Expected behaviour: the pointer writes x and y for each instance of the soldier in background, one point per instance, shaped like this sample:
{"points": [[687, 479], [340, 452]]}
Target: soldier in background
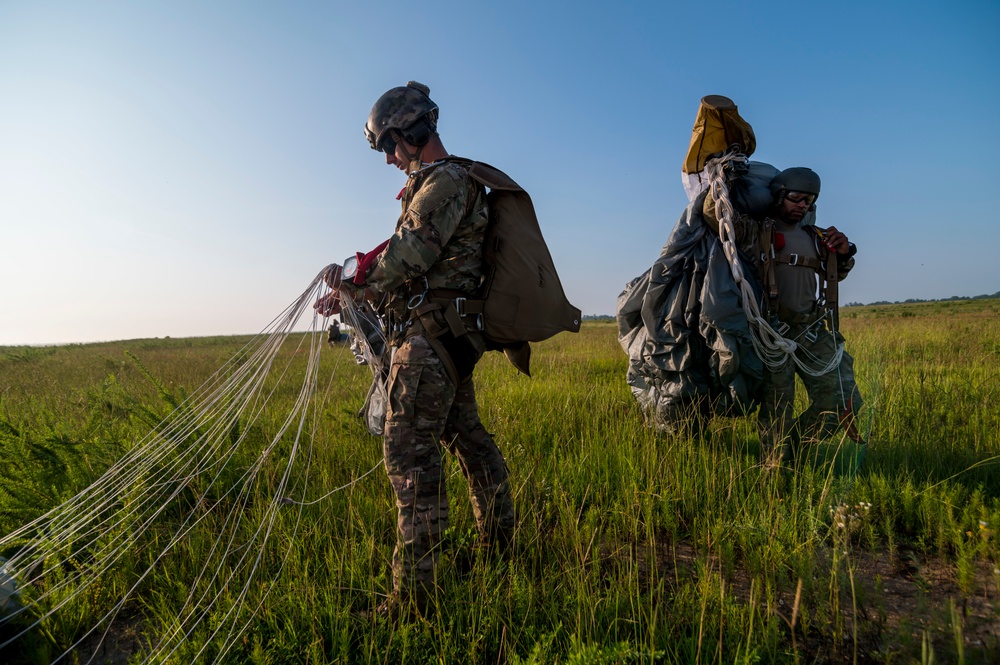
{"points": [[334, 332], [435, 251], [800, 266]]}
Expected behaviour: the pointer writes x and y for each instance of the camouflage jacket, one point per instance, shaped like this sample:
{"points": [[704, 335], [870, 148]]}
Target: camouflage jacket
{"points": [[439, 235]]}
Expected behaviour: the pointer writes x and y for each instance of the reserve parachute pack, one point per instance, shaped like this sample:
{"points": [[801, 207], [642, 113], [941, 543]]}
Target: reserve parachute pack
{"points": [[522, 299]]}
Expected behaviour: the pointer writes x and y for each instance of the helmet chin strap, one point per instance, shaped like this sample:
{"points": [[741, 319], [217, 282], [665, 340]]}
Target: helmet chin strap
{"points": [[415, 161], [413, 158]]}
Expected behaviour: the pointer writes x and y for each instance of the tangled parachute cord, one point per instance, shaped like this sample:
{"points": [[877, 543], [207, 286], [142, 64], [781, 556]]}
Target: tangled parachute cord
{"points": [[197, 467], [771, 346]]}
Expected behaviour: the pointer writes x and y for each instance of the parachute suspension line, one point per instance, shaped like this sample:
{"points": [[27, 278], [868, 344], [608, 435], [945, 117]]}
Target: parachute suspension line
{"points": [[360, 318], [364, 475], [372, 348], [771, 346], [183, 472], [297, 417]]}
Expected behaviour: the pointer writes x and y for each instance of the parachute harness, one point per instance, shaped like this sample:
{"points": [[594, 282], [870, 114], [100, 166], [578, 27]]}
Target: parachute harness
{"points": [[771, 346]]}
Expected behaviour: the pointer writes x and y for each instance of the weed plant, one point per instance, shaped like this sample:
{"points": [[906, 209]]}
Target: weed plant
{"points": [[632, 546]]}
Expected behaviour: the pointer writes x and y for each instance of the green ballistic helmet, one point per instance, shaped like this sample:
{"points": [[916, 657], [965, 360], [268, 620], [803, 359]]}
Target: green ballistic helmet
{"points": [[407, 110], [795, 179]]}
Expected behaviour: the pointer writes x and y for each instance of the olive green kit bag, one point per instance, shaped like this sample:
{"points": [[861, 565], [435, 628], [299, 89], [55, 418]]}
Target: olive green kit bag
{"points": [[522, 299]]}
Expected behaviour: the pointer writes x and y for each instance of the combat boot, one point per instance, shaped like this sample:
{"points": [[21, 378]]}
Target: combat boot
{"points": [[394, 610]]}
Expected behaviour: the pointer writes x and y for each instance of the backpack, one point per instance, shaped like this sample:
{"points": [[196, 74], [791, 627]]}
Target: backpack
{"points": [[522, 298]]}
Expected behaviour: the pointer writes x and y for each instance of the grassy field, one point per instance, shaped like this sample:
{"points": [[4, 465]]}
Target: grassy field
{"points": [[632, 546]]}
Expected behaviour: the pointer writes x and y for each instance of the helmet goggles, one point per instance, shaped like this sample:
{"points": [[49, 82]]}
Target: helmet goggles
{"points": [[800, 197]]}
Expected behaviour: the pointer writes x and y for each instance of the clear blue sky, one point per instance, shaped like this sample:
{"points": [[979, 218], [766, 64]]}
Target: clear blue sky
{"points": [[185, 168]]}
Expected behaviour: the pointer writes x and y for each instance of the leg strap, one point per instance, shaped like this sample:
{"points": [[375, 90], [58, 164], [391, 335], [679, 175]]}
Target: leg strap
{"points": [[445, 332]]}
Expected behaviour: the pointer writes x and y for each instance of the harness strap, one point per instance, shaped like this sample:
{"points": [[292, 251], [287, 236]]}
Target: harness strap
{"points": [[445, 331], [452, 321], [825, 266], [464, 306], [457, 301], [787, 316], [767, 263], [798, 260], [832, 289], [433, 332]]}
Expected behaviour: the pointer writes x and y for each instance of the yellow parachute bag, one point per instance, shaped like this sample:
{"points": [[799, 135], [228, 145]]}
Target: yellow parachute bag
{"points": [[717, 127]]}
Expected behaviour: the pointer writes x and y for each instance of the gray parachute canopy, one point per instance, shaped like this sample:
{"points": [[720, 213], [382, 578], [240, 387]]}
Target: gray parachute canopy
{"points": [[682, 323]]}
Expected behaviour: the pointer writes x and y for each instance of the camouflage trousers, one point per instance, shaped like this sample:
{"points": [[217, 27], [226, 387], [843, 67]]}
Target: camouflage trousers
{"points": [[834, 398], [426, 413]]}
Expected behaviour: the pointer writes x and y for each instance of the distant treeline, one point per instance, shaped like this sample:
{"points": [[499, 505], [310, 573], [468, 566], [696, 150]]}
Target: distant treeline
{"points": [[609, 317], [913, 300]]}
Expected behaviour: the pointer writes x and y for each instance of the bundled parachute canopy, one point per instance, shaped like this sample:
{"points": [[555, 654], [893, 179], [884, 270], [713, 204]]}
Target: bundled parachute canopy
{"points": [[682, 323], [683, 328]]}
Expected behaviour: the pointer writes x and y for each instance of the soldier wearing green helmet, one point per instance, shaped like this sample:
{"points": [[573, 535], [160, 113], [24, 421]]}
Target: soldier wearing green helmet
{"points": [[743, 293], [403, 116], [796, 179], [436, 249], [800, 266], [804, 256]]}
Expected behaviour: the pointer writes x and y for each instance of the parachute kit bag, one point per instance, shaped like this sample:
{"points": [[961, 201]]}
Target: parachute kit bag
{"points": [[717, 128], [522, 298]]}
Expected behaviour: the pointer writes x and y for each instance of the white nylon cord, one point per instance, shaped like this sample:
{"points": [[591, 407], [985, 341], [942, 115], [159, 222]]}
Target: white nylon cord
{"points": [[187, 456], [771, 346]]}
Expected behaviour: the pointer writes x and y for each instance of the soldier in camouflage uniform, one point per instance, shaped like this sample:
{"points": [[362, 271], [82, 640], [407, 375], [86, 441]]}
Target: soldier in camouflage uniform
{"points": [[798, 252], [433, 257]]}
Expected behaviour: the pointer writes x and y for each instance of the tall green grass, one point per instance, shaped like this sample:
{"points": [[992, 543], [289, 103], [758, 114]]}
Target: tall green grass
{"points": [[632, 546]]}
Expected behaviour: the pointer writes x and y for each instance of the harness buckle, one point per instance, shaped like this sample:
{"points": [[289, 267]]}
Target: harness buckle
{"points": [[793, 259], [459, 303], [417, 300]]}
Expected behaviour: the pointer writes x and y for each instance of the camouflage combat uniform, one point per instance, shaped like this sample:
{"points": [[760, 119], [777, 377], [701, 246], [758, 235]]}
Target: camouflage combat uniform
{"points": [[834, 397], [439, 239]]}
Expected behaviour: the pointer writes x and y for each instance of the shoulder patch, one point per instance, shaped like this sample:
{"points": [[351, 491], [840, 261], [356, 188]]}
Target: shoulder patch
{"points": [[441, 186]]}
